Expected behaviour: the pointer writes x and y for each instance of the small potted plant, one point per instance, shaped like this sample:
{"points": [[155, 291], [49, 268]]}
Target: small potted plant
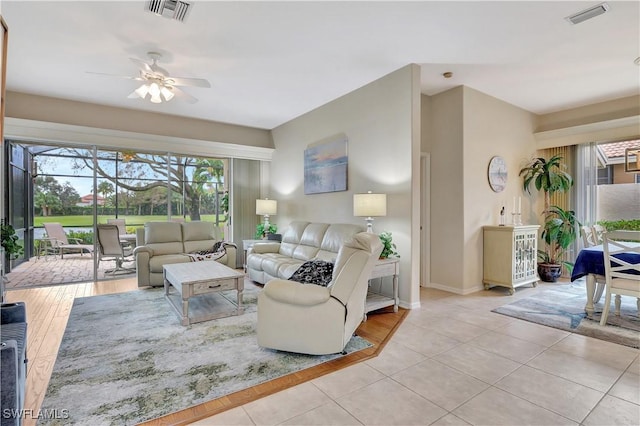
{"points": [[10, 242], [388, 246], [261, 232], [560, 226]]}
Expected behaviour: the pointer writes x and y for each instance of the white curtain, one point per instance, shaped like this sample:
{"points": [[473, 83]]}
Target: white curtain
{"points": [[586, 185]]}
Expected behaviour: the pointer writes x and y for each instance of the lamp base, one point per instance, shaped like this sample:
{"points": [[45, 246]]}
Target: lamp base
{"points": [[369, 221]]}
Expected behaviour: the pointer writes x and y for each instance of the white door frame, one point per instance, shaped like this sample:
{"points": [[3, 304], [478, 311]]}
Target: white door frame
{"points": [[425, 219]]}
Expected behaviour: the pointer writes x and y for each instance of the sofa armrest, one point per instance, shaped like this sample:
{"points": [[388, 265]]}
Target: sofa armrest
{"points": [[295, 293], [10, 374], [13, 312], [265, 247], [143, 269], [232, 254], [143, 249]]}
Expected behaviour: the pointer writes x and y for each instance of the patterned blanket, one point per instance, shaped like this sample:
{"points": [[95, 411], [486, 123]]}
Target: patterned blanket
{"points": [[218, 251]]}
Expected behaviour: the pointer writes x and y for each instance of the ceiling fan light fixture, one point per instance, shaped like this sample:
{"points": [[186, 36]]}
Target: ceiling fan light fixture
{"points": [[142, 91], [154, 91], [167, 94]]}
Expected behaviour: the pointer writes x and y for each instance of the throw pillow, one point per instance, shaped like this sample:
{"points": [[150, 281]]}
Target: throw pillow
{"points": [[317, 272]]}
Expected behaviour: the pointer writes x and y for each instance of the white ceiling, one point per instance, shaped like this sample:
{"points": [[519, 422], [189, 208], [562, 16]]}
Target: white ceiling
{"points": [[269, 62]]}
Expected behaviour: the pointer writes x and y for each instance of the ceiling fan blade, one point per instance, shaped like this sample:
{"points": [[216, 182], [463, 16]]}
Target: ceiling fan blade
{"points": [[114, 75], [181, 81], [184, 96], [142, 64]]}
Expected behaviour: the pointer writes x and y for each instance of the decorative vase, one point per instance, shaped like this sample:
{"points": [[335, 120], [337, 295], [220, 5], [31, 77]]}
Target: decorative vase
{"points": [[549, 272]]}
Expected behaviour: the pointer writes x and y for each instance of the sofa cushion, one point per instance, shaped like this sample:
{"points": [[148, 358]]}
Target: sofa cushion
{"points": [[156, 262], [316, 272], [162, 232], [198, 230]]}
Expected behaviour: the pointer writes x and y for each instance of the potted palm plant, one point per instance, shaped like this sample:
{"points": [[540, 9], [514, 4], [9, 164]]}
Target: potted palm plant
{"points": [[560, 226]]}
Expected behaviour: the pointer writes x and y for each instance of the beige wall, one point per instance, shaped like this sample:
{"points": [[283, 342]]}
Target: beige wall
{"points": [[468, 128], [609, 121], [617, 202], [39, 108], [445, 144], [620, 176], [381, 123]]}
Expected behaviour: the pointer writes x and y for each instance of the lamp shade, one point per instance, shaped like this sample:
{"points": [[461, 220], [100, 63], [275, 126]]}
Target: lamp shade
{"points": [[369, 204], [266, 207]]}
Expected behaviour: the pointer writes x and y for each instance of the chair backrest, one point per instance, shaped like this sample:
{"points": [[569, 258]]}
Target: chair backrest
{"points": [[621, 250], [598, 230], [109, 240], [120, 223], [56, 231], [350, 283], [587, 236]]}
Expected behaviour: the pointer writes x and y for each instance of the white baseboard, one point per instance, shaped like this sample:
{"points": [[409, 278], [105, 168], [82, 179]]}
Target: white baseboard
{"points": [[455, 290]]}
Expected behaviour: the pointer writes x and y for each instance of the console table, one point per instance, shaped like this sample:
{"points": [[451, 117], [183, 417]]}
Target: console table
{"points": [[389, 267], [510, 256]]}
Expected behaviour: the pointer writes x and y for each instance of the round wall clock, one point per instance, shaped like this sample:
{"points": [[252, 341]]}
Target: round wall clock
{"points": [[497, 174]]}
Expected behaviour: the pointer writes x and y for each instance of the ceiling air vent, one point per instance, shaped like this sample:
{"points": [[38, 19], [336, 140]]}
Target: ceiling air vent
{"points": [[592, 12], [172, 9]]}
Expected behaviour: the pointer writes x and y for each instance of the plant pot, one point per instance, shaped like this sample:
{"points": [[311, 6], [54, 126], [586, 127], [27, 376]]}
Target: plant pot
{"points": [[549, 272]]}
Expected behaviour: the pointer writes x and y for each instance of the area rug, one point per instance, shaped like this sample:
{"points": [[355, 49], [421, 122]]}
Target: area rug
{"points": [[562, 307], [125, 358]]}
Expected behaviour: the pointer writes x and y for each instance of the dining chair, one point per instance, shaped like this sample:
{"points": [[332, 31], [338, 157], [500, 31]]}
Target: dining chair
{"points": [[111, 248], [61, 243], [598, 230], [622, 276], [588, 237]]}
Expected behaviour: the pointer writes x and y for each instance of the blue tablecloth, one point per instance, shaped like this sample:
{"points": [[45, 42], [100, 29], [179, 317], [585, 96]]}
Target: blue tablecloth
{"points": [[591, 261]]}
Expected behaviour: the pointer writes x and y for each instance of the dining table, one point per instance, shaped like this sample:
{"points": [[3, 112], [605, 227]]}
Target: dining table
{"points": [[590, 264]]}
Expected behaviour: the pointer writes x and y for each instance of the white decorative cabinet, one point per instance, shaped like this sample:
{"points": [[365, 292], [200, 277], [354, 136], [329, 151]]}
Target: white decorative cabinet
{"points": [[510, 256]]}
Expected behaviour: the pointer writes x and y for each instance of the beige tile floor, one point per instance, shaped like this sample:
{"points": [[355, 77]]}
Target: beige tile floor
{"points": [[454, 362]]}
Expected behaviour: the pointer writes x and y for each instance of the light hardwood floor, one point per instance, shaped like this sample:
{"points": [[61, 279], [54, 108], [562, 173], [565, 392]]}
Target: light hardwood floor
{"points": [[48, 310]]}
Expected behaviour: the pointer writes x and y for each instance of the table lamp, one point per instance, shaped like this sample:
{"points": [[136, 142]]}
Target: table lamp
{"points": [[369, 205], [266, 208]]}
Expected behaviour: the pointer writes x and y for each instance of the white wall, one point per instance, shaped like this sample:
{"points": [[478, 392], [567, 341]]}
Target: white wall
{"points": [[381, 122], [466, 129], [620, 201]]}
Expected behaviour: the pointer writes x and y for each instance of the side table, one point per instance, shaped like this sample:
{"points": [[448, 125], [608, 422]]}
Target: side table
{"points": [[389, 267], [46, 246]]}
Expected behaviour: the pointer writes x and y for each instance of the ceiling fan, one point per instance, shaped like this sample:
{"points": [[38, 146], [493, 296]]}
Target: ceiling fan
{"points": [[157, 84]]}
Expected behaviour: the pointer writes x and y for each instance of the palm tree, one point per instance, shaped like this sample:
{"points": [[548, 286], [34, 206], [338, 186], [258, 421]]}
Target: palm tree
{"points": [[559, 232], [549, 176]]}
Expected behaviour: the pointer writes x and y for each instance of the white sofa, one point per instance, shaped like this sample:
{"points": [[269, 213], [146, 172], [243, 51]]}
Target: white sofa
{"points": [[162, 243], [312, 319], [301, 242]]}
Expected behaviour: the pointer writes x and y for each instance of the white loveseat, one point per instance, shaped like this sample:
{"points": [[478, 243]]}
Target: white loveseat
{"points": [[301, 242], [162, 243]]}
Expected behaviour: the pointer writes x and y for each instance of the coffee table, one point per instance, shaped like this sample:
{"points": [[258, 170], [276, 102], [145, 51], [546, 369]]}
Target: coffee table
{"points": [[196, 282]]}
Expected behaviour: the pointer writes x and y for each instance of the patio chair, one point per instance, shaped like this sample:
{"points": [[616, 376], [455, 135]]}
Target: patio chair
{"points": [[62, 243], [621, 252], [122, 230], [110, 247]]}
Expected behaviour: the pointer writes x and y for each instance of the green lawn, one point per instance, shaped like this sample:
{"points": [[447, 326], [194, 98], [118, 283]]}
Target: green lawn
{"points": [[87, 221]]}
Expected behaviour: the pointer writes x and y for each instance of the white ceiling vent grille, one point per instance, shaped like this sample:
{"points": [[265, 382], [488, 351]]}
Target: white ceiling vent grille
{"points": [[172, 9], [592, 12]]}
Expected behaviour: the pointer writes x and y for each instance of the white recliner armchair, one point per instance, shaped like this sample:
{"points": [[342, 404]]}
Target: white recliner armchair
{"points": [[316, 320]]}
